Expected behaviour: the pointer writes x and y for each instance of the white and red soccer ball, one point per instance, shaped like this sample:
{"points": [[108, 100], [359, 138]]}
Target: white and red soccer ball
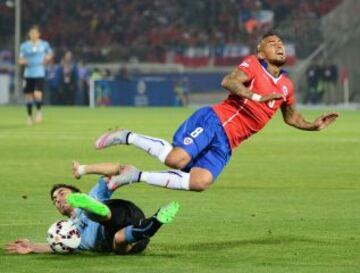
{"points": [[63, 236]]}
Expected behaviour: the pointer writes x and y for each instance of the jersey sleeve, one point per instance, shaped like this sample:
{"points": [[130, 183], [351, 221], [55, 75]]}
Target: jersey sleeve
{"points": [[248, 66], [290, 98], [101, 191]]}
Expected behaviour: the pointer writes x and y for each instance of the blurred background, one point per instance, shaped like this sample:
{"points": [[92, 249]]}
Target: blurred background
{"points": [[175, 52]]}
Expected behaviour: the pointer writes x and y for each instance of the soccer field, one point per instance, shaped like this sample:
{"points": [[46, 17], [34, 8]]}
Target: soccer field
{"points": [[289, 200]]}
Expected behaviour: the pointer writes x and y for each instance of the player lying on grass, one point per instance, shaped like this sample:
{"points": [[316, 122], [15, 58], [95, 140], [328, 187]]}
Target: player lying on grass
{"points": [[203, 144], [105, 224]]}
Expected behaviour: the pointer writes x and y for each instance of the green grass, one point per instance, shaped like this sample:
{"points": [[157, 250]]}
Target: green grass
{"points": [[289, 201]]}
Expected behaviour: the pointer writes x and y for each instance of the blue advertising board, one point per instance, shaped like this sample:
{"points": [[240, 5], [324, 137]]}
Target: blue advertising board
{"points": [[141, 91]]}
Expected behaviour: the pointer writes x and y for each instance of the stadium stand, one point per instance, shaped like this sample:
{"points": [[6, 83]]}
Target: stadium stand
{"points": [[212, 35], [194, 33]]}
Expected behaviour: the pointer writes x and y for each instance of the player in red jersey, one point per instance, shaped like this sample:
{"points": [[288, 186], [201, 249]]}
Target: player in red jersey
{"points": [[202, 145]]}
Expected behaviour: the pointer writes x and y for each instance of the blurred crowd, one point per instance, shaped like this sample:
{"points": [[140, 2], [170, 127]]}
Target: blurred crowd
{"points": [[100, 30]]}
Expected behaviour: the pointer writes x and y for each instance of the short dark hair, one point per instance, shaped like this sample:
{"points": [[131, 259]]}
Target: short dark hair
{"points": [[264, 36], [58, 186], [36, 27], [270, 33]]}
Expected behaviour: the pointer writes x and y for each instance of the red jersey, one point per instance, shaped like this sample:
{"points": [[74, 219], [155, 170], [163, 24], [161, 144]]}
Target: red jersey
{"points": [[242, 117]]}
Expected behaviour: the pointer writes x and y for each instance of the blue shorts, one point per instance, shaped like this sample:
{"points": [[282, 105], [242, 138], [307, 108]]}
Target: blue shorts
{"points": [[204, 139]]}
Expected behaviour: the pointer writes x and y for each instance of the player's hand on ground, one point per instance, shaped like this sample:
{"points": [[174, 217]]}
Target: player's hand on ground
{"points": [[20, 246], [75, 169], [272, 96], [325, 120]]}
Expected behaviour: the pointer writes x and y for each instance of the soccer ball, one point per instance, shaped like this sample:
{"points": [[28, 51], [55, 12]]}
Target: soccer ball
{"points": [[63, 236]]}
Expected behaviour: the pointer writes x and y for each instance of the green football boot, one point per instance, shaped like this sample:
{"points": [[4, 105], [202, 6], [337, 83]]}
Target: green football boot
{"points": [[166, 214], [88, 203]]}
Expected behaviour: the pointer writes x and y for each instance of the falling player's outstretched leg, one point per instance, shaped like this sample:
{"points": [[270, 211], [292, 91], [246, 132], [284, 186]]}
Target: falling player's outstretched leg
{"points": [[172, 156], [197, 179], [120, 175], [199, 152], [155, 147]]}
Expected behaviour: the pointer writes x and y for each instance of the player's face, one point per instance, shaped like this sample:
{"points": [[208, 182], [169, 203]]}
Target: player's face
{"points": [[34, 34], [59, 200], [272, 50]]}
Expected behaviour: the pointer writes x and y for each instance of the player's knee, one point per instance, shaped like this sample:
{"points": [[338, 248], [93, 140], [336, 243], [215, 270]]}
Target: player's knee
{"points": [[38, 95], [176, 159], [200, 183], [174, 163]]}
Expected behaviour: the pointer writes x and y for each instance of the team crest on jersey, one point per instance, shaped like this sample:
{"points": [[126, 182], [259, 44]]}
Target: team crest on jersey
{"points": [[244, 64], [188, 140], [285, 90]]}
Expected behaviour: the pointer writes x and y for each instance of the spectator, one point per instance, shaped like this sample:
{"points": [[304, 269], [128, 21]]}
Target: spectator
{"points": [[181, 89], [330, 79], [123, 74], [107, 75], [69, 80], [314, 84], [52, 81], [82, 94]]}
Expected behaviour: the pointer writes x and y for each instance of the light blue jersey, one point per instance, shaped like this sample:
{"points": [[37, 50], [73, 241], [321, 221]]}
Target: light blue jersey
{"points": [[35, 53], [92, 233]]}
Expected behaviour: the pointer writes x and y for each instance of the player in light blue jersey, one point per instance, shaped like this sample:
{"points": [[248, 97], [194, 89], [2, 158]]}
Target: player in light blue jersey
{"points": [[34, 55], [105, 224]]}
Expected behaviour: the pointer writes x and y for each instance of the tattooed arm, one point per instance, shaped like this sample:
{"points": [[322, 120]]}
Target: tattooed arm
{"points": [[234, 83]]}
